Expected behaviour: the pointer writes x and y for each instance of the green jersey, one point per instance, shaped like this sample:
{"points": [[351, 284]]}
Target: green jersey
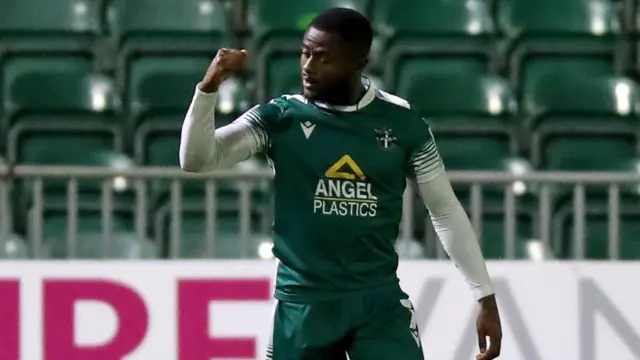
{"points": [[340, 175]]}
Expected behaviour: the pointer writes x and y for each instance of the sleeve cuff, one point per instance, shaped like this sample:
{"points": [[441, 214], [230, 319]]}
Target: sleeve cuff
{"points": [[203, 95], [483, 291]]}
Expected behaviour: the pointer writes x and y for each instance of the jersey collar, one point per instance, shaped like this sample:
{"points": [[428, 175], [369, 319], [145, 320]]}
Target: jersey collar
{"points": [[366, 99]]}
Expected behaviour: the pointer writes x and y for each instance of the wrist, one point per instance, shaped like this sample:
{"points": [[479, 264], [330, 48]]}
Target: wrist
{"points": [[488, 301], [207, 87]]}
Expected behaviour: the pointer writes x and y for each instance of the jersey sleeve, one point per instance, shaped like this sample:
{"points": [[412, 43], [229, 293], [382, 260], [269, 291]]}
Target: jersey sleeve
{"points": [[425, 160], [204, 148], [449, 219]]}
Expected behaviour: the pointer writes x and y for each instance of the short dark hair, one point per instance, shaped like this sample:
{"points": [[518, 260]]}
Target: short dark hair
{"points": [[350, 25]]}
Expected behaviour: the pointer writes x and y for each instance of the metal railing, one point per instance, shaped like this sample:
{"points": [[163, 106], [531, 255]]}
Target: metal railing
{"points": [[542, 186]]}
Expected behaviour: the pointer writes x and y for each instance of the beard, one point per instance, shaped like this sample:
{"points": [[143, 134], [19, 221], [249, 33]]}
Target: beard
{"points": [[336, 93]]}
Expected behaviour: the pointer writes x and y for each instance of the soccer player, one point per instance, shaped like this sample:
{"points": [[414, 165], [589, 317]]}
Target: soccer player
{"points": [[341, 152]]}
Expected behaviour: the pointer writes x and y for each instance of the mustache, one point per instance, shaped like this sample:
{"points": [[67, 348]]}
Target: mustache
{"points": [[333, 90]]}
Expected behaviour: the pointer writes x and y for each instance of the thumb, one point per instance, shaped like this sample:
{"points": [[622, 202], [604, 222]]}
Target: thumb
{"points": [[482, 341], [244, 52]]}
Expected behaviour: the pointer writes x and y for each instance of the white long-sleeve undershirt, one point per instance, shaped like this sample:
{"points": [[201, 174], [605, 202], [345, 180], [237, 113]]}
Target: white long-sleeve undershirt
{"points": [[204, 148]]}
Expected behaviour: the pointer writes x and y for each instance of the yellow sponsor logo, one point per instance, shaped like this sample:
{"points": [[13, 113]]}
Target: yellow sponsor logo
{"points": [[335, 171], [344, 191]]}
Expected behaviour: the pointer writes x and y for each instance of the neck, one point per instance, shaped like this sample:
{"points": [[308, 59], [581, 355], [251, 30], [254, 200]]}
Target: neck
{"points": [[349, 95], [357, 91]]}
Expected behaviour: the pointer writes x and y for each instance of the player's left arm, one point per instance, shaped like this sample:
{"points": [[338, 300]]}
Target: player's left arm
{"points": [[449, 218], [457, 236]]}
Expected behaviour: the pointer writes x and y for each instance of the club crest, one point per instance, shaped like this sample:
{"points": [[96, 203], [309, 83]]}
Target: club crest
{"points": [[385, 138]]}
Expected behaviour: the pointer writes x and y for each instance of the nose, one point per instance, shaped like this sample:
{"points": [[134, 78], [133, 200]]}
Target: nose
{"points": [[308, 66]]}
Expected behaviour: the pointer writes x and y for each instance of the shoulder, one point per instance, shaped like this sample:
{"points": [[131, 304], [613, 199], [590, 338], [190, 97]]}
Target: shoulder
{"points": [[274, 114], [286, 100], [274, 109], [393, 100], [401, 108]]}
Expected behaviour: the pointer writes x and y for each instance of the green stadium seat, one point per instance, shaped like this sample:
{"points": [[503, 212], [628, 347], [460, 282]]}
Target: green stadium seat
{"points": [[560, 29], [228, 243], [167, 28], [36, 26], [269, 22], [597, 236], [14, 247], [90, 246], [227, 229], [89, 192], [536, 69], [160, 90], [411, 67], [123, 243], [432, 29], [581, 122], [468, 111], [282, 76], [492, 205], [58, 101], [493, 236], [631, 16], [277, 34], [476, 153], [84, 154], [597, 205], [227, 192], [472, 152]]}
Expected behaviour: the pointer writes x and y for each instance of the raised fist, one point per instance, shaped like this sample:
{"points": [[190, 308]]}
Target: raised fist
{"points": [[225, 64]]}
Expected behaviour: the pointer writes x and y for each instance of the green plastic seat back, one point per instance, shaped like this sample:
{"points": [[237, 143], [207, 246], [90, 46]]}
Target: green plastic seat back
{"points": [[494, 236], [57, 84], [473, 152], [90, 246], [455, 94], [574, 153], [267, 18], [48, 23], [574, 93], [597, 237], [283, 75], [228, 243], [535, 70], [549, 17], [173, 20], [438, 17], [164, 84]]}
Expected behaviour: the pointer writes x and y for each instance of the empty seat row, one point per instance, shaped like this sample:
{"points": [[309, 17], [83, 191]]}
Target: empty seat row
{"points": [[63, 105], [503, 38], [230, 242], [123, 17]]}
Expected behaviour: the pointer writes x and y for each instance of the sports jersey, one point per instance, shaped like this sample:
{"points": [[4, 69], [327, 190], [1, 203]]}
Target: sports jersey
{"points": [[340, 175]]}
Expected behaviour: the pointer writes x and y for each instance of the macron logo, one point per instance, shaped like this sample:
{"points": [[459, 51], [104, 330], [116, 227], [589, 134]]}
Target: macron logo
{"points": [[307, 128]]}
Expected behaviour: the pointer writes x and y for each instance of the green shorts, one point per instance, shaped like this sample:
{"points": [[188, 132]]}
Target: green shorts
{"points": [[374, 326]]}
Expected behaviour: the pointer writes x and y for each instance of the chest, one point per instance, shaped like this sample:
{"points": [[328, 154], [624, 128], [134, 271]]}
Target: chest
{"points": [[353, 146]]}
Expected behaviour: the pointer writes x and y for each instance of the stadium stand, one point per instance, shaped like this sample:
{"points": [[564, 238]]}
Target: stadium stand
{"points": [[509, 86]]}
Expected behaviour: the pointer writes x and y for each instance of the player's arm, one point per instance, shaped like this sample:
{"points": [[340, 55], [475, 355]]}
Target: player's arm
{"points": [[449, 218], [458, 238], [202, 147]]}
